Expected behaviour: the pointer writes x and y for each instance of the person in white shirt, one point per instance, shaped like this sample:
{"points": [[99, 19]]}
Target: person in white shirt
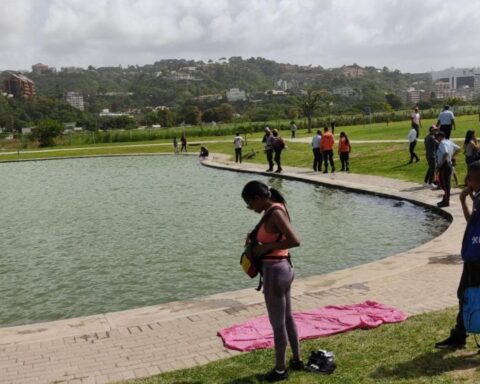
{"points": [[238, 143], [293, 128], [446, 120], [317, 154], [416, 121], [412, 139], [446, 152]]}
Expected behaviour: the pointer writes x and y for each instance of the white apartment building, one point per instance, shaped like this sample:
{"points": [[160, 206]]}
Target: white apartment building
{"points": [[235, 94], [75, 99]]}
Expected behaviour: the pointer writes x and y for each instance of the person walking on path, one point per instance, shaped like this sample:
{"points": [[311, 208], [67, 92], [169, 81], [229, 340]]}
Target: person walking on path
{"points": [[183, 140], [471, 147], [446, 120], [332, 127], [416, 121], [470, 254], [278, 147], [412, 140], [293, 129], [268, 140], [446, 152], [431, 146], [344, 149], [238, 143], [175, 145], [326, 147], [317, 154], [275, 237]]}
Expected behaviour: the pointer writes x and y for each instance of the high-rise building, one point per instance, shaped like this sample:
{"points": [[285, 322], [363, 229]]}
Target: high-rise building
{"points": [[19, 85], [39, 68], [75, 99]]}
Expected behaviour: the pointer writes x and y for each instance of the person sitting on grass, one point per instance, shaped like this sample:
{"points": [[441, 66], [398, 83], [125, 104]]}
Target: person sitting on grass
{"points": [[470, 255], [203, 152]]}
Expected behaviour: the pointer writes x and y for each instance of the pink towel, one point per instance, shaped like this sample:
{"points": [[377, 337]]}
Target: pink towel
{"points": [[257, 333]]}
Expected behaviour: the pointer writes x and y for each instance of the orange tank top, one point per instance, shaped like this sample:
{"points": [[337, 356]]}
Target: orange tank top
{"points": [[265, 237]]}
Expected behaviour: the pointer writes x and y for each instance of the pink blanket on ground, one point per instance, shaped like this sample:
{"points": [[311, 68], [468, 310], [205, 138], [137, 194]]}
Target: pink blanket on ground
{"points": [[257, 333]]}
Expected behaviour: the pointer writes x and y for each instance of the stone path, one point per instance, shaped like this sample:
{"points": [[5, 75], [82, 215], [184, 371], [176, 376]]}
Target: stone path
{"points": [[147, 341]]}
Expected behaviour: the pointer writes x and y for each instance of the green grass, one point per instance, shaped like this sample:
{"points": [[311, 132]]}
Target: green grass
{"points": [[398, 353]]}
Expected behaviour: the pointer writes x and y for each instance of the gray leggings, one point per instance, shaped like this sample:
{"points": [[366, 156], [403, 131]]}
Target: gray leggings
{"points": [[277, 280]]}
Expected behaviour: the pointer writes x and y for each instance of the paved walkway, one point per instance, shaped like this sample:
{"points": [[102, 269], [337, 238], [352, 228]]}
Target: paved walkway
{"points": [[147, 341]]}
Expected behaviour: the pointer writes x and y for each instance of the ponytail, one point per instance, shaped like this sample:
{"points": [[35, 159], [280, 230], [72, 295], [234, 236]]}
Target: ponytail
{"points": [[256, 188]]}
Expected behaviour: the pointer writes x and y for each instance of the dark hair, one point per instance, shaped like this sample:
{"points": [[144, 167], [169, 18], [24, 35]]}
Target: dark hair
{"points": [[256, 188], [440, 134], [326, 129], [468, 137], [319, 132], [237, 134], [343, 134]]}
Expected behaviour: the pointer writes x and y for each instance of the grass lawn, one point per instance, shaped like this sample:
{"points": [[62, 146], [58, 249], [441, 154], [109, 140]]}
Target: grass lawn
{"points": [[398, 353]]}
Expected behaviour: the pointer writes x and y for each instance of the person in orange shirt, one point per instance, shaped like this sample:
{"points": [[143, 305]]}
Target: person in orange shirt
{"points": [[344, 151], [326, 147]]}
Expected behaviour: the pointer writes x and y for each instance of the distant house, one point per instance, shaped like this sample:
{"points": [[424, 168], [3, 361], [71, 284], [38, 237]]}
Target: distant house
{"points": [[19, 85], [39, 68], [75, 99], [344, 91], [353, 70], [235, 94]]}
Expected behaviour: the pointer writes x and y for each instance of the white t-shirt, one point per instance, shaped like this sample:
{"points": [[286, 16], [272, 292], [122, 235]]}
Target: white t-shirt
{"points": [[416, 118], [446, 117], [238, 141], [412, 135]]}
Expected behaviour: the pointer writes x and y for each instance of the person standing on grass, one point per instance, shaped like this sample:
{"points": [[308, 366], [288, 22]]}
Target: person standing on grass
{"points": [[471, 147], [317, 154], [238, 143], [268, 140], [431, 146], [470, 255], [344, 149], [275, 237], [446, 120], [332, 127], [278, 147], [175, 144], [326, 146], [446, 152], [183, 140], [412, 140], [416, 121], [293, 129]]}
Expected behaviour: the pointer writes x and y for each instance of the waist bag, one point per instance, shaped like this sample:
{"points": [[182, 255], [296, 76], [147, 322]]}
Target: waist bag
{"points": [[252, 265], [471, 311]]}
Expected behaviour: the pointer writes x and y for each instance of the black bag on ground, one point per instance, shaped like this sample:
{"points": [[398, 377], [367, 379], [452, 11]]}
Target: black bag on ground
{"points": [[321, 361]]}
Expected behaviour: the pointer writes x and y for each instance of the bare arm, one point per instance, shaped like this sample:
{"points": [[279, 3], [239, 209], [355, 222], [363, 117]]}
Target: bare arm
{"points": [[282, 225], [463, 200]]}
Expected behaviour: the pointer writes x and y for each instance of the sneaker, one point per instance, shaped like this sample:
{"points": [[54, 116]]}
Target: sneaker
{"points": [[278, 170], [442, 204], [269, 170], [274, 375], [296, 365], [426, 185], [452, 342], [325, 171]]}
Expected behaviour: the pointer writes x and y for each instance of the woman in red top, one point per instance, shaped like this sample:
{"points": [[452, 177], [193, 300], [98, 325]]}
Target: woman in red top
{"points": [[344, 151], [275, 237]]}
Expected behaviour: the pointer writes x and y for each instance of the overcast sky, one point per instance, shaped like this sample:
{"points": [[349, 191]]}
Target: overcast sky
{"points": [[410, 35]]}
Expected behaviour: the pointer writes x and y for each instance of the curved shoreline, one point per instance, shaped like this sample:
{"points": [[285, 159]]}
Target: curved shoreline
{"points": [[418, 280]]}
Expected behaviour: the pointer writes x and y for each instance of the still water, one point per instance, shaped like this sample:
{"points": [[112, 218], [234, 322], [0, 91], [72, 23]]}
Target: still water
{"points": [[89, 236]]}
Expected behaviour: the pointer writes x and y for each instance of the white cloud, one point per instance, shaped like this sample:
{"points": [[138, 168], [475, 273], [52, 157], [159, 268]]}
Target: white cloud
{"points": [[408, 34]]}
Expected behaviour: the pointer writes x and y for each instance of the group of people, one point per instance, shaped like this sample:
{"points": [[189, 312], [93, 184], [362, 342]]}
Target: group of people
{"points": [[274, 145], [323, 146], [183, 140]]}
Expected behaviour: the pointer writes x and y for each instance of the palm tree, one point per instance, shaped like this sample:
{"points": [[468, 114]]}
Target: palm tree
{"points": [[308, 103]]}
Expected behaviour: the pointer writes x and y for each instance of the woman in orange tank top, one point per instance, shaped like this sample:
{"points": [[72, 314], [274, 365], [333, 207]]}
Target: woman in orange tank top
{"points": [[275, 237]]}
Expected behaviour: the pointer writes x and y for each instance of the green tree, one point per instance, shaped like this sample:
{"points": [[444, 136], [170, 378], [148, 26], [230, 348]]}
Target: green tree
{"points": [[393, 100], [307, 104], [46, 131], [193, 115], [225, 112]]}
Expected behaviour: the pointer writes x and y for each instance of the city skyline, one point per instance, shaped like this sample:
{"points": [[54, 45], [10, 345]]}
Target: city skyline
{"points": [[404, 35]]}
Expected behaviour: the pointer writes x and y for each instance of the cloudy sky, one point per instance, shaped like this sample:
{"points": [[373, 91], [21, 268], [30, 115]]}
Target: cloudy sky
{"points": [[410, 35]]}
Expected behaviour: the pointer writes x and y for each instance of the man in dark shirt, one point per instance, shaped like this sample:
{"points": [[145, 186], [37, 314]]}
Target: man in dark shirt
{"points": [[470, 255], [431, 146]]}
